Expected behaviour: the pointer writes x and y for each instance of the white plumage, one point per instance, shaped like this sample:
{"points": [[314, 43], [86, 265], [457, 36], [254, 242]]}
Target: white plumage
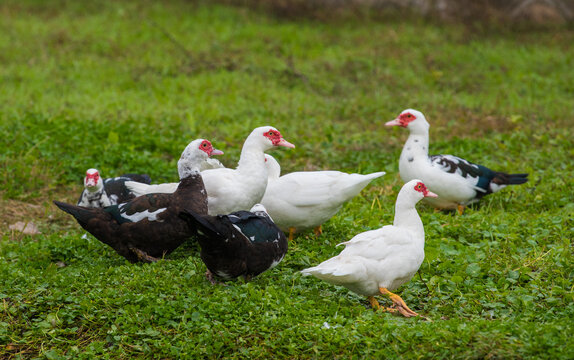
{"points": [[230, 190], [306, 199], [379, 261], [456, 181]]}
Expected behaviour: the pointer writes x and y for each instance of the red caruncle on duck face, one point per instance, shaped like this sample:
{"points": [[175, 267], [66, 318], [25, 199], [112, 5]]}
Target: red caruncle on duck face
{"points": [[92, 178], [420, 187], [206, 147], [405, 118], [273, 135]]}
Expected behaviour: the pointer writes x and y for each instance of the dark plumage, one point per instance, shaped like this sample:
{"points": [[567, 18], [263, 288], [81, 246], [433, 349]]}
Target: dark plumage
{"points": [[148, 227], [243, 243]]}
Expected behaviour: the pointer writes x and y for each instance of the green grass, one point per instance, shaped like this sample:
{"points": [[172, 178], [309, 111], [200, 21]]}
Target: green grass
{"points": [[123, 86]]}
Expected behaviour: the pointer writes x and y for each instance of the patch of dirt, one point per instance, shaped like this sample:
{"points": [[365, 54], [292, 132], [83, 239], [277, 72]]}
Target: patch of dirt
{"points": [[40, 212]]}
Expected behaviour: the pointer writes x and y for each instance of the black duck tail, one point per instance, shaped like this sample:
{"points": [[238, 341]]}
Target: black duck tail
{"points": [[516, 179], [81, 214], [201, 223], [501, 178]]}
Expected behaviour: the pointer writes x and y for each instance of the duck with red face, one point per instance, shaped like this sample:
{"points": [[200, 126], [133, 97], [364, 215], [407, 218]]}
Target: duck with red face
{"points": [[100, 192], [458, 182], [379, 261]]}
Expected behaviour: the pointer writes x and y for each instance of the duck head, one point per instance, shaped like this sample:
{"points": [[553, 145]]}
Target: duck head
{"points": [[194, 154], [411, 119], [93, 181], [414, 191], [268, 137]]}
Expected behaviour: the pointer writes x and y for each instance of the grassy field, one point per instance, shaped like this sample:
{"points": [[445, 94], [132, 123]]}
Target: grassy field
{"points": [[123, 86]]}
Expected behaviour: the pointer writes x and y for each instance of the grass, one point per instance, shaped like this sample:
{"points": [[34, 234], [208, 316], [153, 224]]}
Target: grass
{"points": [[123, 86]]}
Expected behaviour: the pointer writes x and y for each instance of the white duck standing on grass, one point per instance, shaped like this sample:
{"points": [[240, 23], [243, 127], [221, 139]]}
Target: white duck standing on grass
{"points": [[230, 190], [379, 261], [306, 199], [456, 181]]}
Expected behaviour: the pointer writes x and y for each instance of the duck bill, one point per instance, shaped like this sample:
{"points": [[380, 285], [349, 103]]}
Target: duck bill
{"points": [[90, 183], [431, 194], [285, 143], [395, 122], [216, 152]]}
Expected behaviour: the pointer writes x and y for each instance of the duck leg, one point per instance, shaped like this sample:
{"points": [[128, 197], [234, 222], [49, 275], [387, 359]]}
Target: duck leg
{"points": [[398, 303], [460, 209], [291, 232], [374, 303], [143, 256], [209, 276], [318, 230]]}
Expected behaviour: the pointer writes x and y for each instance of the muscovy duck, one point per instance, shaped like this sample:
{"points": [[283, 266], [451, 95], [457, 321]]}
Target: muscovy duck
{"points": [[456, 181], [148, 227], [379, 261], [100, 192], [306, 199], [237, 189], [243, 243]]}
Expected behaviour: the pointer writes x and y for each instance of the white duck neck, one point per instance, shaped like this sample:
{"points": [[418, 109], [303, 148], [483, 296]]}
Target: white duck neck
{"points": [[417, 144], [273, 167], [252, 158], [407, 217]]}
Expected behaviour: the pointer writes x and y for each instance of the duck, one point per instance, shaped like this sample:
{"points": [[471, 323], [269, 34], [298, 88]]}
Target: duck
{"points": [[240, 244], [230, 190], [147, 228], [379, 261], [457, 182], [99, 192], [306, 199]]}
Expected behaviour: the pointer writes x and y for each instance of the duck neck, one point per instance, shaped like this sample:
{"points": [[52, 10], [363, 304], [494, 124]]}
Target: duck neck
{"points": [[407, 217], [252, 159], [417, 145]]}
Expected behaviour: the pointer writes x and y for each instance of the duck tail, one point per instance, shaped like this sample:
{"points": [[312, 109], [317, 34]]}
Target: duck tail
{"points": [[516, 179], [200, 223], [81, 214]]}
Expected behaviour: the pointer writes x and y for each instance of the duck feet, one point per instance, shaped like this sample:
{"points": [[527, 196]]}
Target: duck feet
{"points": [[209, 276], [460, 209], [318, 230], [143, 256], [398, 303]]}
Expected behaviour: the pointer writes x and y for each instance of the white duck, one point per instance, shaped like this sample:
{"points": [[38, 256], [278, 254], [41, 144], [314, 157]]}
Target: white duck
{"points": [[457, 182], [230, 190], [379, 261], [306, 199]]}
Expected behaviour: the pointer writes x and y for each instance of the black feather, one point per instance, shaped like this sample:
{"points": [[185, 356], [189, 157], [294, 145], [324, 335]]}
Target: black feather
{"points": [[239, 244]]}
